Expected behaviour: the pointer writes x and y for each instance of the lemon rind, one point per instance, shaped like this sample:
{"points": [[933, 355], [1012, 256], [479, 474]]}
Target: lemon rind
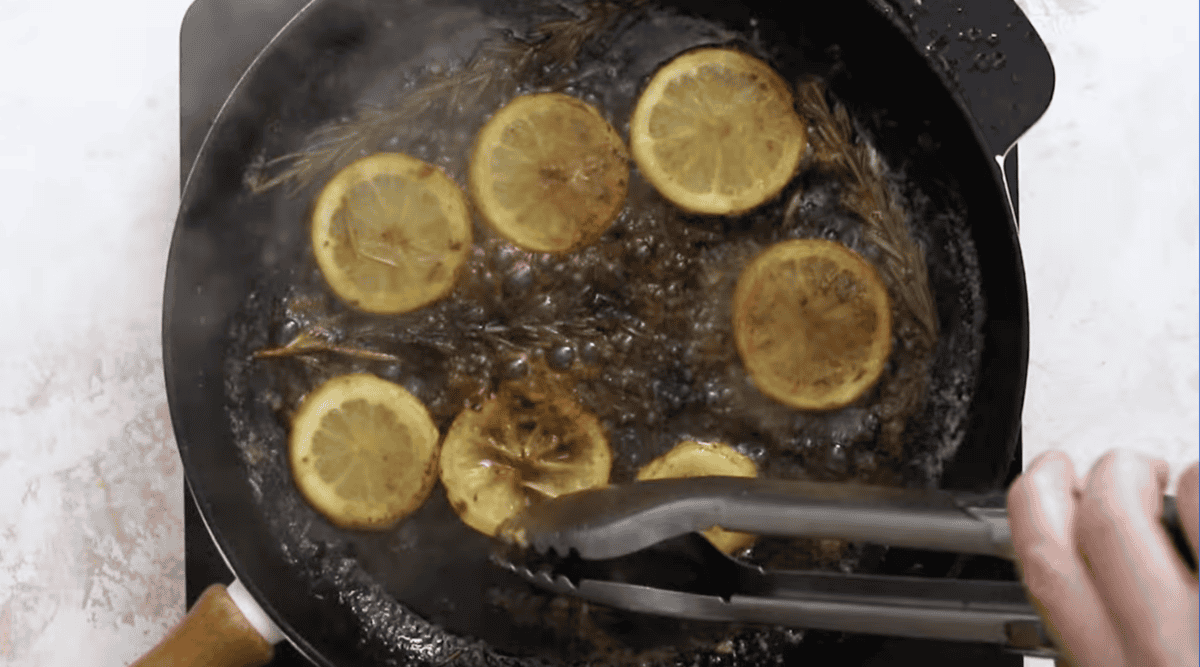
{"points": [[762, 373], [451, 199], [355, 514], [468, 426], [641, 145], [503, 220]]}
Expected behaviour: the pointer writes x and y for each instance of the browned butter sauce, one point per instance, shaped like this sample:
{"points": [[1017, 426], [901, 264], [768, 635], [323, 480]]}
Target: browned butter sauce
{"points": [[639, 324]]}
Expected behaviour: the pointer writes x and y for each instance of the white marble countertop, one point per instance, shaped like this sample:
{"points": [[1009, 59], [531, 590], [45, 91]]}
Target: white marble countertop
{"points": [[91, 507]]}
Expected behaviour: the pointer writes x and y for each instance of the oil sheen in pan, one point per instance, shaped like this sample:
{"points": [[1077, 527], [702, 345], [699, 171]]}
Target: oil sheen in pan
{"points": [[637, 317]]}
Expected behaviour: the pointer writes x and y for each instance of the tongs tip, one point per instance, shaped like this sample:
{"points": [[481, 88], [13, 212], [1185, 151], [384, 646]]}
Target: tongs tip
{"points": [[515, 559]]}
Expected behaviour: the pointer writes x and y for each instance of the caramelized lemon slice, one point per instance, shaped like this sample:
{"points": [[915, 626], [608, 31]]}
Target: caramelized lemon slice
{"points": [[549, 173], [390, 233], [363, 451], [812, 323], [516, 451], [715, 132], [693, 458]]}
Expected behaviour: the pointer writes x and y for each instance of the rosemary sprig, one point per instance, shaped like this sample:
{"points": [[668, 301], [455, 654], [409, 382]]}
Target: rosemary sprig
{"points": [[902, 268], [319, 339], [497, 67], [867, 194]]}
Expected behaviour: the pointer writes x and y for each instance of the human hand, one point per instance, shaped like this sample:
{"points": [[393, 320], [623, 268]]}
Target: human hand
{"points": [[1099, 566]]}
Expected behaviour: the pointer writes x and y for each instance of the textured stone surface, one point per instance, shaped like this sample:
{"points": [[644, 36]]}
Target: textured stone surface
{"points": [[91, 505], [1108, 183]]}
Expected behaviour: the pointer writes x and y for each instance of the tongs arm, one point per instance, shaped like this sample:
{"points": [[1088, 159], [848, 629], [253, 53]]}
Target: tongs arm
{"points": [[1015, 626], [704, 584], [618, 520], [595, 531]]}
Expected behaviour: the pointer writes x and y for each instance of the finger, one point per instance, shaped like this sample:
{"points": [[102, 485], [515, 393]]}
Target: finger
{"points": [[1041, 513], [1187, 499], [1149, 593]]}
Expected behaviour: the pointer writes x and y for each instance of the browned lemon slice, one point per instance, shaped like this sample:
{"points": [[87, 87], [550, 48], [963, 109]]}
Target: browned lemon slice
{"points": [[715, 132], [390, 233], [498, 460], [812, 323], [549, 173], [693, 458], [363, 451]]}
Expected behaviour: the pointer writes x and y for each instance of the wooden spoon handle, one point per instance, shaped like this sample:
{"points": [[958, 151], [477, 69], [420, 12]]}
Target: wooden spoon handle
{"points": [[213, 634]]}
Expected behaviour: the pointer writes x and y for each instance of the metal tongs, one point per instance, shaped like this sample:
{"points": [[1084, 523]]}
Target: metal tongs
{"points": [[635, 547]]}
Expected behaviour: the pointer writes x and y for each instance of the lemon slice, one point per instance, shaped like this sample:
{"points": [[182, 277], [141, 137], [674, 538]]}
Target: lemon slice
{"points": [[390, 233], [549, 173], [715, 132], [498, 460], [812, 323], [363, 451], [693, 458]]}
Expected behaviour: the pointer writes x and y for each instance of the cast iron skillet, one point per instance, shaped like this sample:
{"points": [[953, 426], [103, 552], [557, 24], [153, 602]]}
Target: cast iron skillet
{"points": [[934, 82]]}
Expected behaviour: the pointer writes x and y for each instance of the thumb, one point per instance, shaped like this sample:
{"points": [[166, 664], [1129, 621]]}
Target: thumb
{"points": [[1188, 502]]}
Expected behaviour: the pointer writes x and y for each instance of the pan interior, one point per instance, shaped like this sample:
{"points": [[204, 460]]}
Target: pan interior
{"points": [[425, 589]]}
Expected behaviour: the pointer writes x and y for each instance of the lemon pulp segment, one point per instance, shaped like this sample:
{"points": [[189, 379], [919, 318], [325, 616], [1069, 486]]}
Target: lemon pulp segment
{"points": [[812, 323], [694, 458], [499, 459], [549, 173], [390, 233], [715, 131], [363, 451]]}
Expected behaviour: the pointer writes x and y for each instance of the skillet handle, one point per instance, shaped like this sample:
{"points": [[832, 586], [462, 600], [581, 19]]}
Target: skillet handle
{"points": [[989, 54], [215, 633]]}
